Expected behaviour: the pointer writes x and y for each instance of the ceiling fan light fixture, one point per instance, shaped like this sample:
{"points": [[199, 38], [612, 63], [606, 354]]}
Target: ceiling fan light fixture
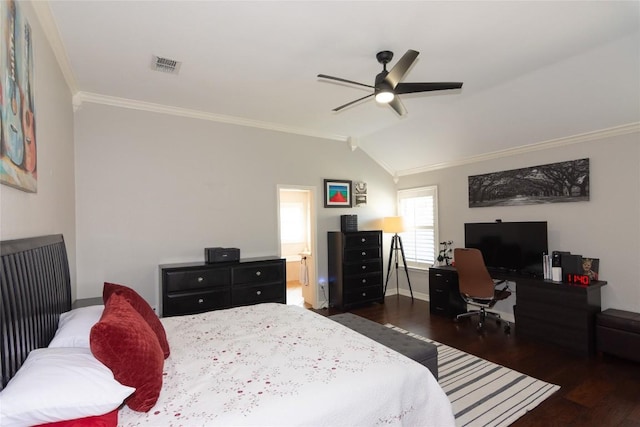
{"points": [[384, 97]]}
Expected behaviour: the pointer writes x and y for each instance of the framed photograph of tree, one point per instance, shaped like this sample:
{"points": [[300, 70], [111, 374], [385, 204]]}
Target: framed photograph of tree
{"points": [[553, 183]]}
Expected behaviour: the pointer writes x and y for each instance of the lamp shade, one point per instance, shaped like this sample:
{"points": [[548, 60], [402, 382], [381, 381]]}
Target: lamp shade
{"points": [[393, 224]]}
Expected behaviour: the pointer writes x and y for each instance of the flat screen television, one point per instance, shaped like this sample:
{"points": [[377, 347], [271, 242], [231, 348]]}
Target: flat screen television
{"points": [[509, 247]]}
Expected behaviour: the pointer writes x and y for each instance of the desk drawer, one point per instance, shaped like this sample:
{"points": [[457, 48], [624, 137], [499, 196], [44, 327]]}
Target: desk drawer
{"points": [[177, 304], [577, 340], [567, 317], [560, 297], [176, 281]]}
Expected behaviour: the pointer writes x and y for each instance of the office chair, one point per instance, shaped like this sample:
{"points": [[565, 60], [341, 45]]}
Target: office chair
{"points": [[477, 288]]}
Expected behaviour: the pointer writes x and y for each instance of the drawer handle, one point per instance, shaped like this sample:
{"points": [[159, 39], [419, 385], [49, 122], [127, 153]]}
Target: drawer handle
{"points": [[439, 290], [438, 275], [258, 292], [200, 279], [258, 273], [364, 267], [200, 301], [364, 253], [364, 294], [363, 240], [364, 280]]}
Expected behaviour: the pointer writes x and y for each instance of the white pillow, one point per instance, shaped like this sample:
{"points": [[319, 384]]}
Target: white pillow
{"points": [[57, 384], [74, 327]]}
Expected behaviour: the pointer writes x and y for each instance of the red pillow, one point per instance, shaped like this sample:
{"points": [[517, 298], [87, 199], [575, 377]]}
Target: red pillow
{"points": [[141, 307], [109, 419], [125, 343]]}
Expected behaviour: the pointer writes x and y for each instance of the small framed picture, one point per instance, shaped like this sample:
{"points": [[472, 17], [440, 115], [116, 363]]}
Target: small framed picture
{"points": [[591, 267], [360, 193], [337, 193]]}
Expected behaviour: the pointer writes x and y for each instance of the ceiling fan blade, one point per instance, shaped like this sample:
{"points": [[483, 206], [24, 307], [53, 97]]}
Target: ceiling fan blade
{"points": [[425, 87], [352, 102], [400, 69], [324, 76], [396, 104]]}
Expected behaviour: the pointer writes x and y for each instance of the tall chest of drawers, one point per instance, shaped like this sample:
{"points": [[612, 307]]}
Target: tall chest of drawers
{"points": [[355, 268], [189, 288]]}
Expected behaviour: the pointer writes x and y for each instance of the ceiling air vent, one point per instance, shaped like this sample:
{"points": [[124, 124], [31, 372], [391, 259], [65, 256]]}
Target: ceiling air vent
{"points": [[165, 65]]}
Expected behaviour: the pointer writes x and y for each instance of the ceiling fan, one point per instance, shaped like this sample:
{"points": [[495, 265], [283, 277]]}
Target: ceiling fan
{"points": [[387, 84]]}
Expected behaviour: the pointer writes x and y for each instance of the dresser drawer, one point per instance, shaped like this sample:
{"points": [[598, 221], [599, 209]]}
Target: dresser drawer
{"points": [[361, 254], [258, 273], [177, 281], [370, 293], [196, 302], [255, 294], [363, 267], [363, 281], [362, 239]]}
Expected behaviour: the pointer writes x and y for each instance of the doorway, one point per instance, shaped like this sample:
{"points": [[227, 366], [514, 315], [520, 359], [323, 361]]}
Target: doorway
{"points": [[297, 242]]}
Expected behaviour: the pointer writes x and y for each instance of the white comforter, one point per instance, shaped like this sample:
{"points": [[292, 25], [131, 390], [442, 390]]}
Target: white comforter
{"points": [[279, 365]]}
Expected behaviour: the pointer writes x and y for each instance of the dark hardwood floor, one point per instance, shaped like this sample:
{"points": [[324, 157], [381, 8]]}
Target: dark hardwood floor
{"points": [[598, 391]]}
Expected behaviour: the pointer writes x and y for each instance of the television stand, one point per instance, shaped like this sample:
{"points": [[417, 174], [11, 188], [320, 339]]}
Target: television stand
{"points": [[558, 313]]}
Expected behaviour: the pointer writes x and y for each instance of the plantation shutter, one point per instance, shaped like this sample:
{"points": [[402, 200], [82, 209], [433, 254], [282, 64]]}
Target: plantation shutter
{"points": [[418, 207]]}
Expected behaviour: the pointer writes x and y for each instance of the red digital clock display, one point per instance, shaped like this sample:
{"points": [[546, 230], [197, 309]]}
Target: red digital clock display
{"points": [[578, 279]]}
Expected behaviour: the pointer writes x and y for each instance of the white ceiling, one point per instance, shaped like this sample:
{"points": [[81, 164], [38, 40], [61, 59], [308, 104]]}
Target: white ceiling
{"points": [[533, 72]]}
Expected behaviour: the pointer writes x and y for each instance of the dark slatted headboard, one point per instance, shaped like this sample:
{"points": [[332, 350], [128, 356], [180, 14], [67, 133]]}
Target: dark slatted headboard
{"points": [[34, 289]]}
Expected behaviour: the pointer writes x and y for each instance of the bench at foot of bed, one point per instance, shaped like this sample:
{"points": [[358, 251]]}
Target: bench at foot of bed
{"points": [[422, 352]]}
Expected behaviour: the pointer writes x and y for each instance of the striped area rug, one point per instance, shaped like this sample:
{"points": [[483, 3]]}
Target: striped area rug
{"points": [[483, 393]]}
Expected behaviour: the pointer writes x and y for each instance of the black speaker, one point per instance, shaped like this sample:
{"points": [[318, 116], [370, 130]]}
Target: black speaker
{"points": [[212, 255], [571, 264], [348, 223]]}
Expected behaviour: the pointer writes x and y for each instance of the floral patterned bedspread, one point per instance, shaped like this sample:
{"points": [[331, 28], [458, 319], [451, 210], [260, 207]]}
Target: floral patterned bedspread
{"points": [[279, 365]]}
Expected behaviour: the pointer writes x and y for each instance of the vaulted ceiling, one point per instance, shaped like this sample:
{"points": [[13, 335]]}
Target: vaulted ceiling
{"points": [[534, 72]]}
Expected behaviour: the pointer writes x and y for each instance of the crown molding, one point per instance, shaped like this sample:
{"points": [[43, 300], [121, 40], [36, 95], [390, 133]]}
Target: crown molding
{"points": [[132, 104], [50, 29], [553, 143]]}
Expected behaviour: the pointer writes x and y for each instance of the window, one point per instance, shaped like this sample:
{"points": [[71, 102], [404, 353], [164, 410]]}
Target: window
{"points": [[292, 223], [419, 209]]}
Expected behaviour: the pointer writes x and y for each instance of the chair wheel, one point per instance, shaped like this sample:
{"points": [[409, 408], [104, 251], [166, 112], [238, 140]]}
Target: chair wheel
{"points": [[507, 329]]}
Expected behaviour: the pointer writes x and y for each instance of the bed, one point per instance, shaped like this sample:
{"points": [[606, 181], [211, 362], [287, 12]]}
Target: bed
{"points": [[268, 364]]}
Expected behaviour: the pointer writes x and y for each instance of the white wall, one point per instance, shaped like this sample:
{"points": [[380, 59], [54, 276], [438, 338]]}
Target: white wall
{"points": [[52, 209], [605, 227], [154, 189]]}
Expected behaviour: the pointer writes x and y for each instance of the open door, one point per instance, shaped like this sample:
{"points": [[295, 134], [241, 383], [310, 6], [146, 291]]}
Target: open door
{"points": [[297, 242]]}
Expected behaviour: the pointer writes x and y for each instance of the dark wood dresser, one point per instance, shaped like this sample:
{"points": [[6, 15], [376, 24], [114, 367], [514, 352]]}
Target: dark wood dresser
{"points": [[189, 288], [355, 268]]}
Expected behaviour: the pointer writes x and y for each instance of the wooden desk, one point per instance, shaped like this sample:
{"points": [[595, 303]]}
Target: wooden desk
{"points": [[557, 313]]}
